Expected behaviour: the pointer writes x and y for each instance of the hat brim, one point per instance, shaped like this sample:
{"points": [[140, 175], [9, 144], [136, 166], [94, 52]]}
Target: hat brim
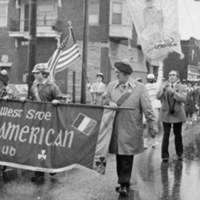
{"points": [[36, 71]]}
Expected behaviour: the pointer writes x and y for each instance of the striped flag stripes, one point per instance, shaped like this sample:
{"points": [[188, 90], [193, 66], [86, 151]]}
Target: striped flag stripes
{"points": [[68, 55], [63, 56], [52, 64]]}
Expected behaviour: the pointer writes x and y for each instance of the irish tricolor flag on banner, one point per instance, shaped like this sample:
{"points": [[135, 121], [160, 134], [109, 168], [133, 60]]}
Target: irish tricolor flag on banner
{"points": [[84, 124]]}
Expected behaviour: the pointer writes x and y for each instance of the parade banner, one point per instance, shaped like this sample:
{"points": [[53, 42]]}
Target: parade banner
{"points": [[40, 136], [156, 23]]}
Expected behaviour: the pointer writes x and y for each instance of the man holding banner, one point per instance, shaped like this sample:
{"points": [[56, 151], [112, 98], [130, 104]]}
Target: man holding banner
{"points": [[127, 137], [5, 93]]}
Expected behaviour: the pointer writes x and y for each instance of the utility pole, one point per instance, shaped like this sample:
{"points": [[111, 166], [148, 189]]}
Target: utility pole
{"points": [[85, 50], [32, 42]]}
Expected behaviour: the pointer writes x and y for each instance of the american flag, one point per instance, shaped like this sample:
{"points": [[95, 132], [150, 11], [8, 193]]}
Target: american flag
{"points": [[66, 53]]}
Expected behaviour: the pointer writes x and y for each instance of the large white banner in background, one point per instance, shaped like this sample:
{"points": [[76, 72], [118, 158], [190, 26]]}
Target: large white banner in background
{"points": [[156, 23]]}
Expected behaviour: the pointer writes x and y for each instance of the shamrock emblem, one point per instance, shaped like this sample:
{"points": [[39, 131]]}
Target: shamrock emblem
{"points": [[42, 156], [101, 163]]}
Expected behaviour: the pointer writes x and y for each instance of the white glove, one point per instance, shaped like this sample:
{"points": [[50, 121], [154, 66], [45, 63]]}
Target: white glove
{"points": [[55, 102], [22, 99], [5, 98], [88, 86], [113, 104]]}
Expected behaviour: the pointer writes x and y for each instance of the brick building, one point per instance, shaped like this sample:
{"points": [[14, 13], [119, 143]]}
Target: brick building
{"points": [[111, 38], [188, 67]]}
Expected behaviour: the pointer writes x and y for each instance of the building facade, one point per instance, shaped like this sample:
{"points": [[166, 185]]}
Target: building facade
{"points": [[112, 37], [189, 66]]}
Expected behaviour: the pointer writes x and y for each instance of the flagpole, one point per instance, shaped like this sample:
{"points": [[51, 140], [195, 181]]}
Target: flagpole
{"points": [[32, 43], [71, 33], [84, 68], [85, 49]]}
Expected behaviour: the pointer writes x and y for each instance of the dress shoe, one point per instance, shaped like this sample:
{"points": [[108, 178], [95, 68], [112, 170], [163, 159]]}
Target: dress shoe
{"points": [[145, 146], [37, 179], [123, 191], [165, 160], [117, 189], [180, 158]]}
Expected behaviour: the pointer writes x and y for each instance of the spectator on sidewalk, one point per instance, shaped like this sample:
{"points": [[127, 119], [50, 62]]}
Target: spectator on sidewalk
{"points": [[127, 138], [153, 88], [97, 89], [190, 103], [172, 96], [196, 94]]}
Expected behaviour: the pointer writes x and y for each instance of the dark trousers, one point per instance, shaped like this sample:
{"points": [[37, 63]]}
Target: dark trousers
{"points": [[177, 128], [39, 174], [124, 169]]}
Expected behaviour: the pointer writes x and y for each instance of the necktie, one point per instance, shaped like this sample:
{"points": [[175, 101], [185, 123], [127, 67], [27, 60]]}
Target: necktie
{"points": [[171, 101], [123, 87]]}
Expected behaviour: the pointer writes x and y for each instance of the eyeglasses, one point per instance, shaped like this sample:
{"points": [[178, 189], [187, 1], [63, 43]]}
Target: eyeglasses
{"points": [[36, 72], [172, 74]]}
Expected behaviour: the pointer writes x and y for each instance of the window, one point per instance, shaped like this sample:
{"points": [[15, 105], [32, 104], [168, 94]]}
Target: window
{"points": [[94, 12], [3, 15], [45, 15], [117, 13]]}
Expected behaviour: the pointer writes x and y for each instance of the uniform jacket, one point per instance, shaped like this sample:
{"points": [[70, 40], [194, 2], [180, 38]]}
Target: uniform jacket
{"points": [[48, 92], [127, 137], [179, 97]]}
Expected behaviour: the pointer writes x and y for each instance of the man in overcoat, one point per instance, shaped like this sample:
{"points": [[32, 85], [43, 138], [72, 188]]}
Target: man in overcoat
{"points": [[172, 96], [127, 137]]}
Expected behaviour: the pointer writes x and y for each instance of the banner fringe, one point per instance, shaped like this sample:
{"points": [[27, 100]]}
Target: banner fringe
{"points": [[70, 167]]}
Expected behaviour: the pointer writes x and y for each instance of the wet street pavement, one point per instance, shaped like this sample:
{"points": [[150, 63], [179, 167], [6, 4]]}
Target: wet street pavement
{"points": [[151, 179]]}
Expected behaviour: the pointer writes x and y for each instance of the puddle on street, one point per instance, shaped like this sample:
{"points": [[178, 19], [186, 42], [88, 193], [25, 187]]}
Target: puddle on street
{"points": [[174, 180]]}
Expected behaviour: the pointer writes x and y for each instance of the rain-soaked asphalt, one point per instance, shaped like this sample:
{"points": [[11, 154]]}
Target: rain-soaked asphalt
{"points": [[151, 179]]}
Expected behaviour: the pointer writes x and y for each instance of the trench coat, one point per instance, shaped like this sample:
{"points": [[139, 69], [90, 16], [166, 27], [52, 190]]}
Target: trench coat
{"points": [[127, 136], [179, 112]]}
